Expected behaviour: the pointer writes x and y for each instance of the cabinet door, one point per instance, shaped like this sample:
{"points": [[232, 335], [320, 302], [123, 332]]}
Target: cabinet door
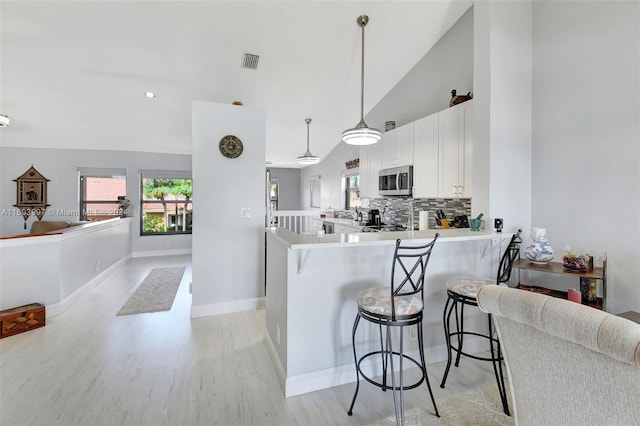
{"points": [[467, 147], [390, 148], [425, 161], [370, 164], [449, 152], [404, 153], [397, 147]]}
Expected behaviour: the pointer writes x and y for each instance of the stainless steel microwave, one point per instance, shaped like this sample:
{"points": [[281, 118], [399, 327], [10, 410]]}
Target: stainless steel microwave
{"points": [[395, 181]]}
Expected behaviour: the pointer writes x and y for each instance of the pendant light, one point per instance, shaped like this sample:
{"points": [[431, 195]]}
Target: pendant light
{"points": [[4, 121], [308, 158], [361, 134]]}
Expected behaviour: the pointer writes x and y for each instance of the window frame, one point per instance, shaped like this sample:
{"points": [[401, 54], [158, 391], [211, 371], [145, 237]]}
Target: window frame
{"points": [[83, 174], [346, 190], [173, 175]]}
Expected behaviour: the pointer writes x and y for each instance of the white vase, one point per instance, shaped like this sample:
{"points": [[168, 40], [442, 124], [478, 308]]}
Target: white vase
{"points": [[539, 250]]}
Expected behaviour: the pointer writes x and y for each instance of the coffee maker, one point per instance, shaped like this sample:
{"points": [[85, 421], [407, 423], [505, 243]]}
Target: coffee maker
{"points": [[374, 218]]}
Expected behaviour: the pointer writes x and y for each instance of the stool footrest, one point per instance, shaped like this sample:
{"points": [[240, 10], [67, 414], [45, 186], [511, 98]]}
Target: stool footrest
{"points": [[384, 386], [464, 333]]}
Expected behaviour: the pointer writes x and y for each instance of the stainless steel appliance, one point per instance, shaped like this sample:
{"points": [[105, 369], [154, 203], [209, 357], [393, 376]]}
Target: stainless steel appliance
{"points": [[395, 181], [328, 227], [374, 218]]}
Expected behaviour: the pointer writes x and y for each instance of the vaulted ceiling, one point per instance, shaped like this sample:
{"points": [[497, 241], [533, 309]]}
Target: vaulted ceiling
{"points": [[74, 73]]}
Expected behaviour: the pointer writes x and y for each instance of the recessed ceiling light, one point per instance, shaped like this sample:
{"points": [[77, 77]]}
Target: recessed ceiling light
{"points": [[150, 95]]}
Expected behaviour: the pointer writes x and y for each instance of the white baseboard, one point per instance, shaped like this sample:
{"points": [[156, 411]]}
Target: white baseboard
{"points": [[227, 307], [336, 376], [60, 307], [152, 253]]}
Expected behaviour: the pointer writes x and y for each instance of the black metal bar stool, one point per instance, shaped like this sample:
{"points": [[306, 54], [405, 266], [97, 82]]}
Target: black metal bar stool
{"points": [[462, 291], [400, 305]]}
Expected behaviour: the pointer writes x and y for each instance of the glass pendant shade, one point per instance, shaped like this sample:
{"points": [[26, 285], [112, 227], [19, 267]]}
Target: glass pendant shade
{"points": [[362, 134], [308, 158]]}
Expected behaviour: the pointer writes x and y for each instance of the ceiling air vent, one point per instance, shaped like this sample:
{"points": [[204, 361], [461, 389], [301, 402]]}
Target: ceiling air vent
{"points": [[250, 61]]}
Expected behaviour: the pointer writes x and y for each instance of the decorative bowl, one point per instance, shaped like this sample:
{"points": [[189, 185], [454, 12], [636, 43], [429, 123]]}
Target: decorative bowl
{"points": [[575, 263], [574, 268]]}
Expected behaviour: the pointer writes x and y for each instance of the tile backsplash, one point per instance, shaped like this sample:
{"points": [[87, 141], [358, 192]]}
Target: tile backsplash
{"points": [[399, 208]]}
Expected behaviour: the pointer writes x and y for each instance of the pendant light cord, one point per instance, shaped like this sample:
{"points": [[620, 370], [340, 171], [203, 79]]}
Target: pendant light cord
{"points": [[308, 120], [362, 25]]}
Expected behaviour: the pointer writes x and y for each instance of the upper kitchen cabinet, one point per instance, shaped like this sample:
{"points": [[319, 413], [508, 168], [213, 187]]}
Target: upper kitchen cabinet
{"points": [[397, 147], [455, 146], [443, 144], [425, 151], [370, 164]]}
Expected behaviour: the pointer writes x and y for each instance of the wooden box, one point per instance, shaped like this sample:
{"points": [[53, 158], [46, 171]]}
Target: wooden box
{"points": [[22, 318]]}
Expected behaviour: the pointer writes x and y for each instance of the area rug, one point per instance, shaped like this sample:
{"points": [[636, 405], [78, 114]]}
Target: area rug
{"points": [[155, 293], [478, 407]]}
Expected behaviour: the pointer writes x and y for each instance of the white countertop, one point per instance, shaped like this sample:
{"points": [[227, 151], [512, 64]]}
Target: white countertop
{"points": [[341, 221], [307, 241]]}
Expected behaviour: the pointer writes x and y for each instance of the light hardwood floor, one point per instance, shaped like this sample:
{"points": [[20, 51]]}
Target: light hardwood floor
{"points": [[91, 367]]}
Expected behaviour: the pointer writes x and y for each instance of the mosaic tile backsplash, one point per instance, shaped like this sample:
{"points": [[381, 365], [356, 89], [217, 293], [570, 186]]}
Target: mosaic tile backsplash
{"points": [[399, 208]]}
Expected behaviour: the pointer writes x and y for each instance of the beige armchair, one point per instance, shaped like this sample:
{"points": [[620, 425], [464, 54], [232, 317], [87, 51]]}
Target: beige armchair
{"points": [[567, 364]]}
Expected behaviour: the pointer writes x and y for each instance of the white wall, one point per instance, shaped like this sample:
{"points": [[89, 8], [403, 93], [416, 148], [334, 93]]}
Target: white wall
{"points": [[426, 88], [60, 166], [330, 170], [289, 188], [228, 251], [586, 135], [58, 270], [502, 113]]}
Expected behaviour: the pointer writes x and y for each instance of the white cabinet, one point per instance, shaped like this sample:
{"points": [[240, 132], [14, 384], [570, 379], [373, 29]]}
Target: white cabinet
{"points": [[443, 146], [425, 151], [397, 147], [455, 146], [370, 164], [440, 147]]}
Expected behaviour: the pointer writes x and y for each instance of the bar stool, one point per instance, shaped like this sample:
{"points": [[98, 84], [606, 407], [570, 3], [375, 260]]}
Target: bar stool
{"points": [[463, 291], [400, 305]]}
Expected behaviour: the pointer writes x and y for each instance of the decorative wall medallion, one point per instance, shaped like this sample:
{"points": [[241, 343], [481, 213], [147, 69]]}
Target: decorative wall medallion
{"points": [[31, 194], [231, 146]]}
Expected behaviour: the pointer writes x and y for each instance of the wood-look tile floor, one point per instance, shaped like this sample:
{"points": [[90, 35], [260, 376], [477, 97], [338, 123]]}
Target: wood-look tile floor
{"points": [[91, 367]]}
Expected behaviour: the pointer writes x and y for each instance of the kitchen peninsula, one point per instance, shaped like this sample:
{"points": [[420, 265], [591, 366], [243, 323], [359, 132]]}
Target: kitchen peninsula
{"points": [[313, 282]]}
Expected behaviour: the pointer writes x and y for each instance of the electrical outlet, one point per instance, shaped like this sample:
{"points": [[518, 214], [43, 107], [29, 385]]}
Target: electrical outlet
{"points": [[413, 332], [245, 213], [98, 265]]}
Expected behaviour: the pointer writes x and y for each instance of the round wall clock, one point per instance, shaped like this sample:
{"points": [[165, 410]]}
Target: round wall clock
{"points": [[231, 146]]}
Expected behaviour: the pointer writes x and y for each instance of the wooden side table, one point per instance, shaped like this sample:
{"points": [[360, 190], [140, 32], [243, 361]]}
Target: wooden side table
{"points": [[599, 273]]}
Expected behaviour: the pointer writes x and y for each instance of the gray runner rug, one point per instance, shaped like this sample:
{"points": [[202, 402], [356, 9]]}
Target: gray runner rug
{"points": [[155, 293]]}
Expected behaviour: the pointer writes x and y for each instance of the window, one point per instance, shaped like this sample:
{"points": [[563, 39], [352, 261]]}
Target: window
{"points": [[274, 192], [99, 192], [166, 203], [351, 184]]}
